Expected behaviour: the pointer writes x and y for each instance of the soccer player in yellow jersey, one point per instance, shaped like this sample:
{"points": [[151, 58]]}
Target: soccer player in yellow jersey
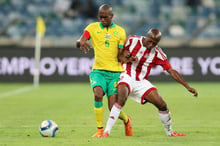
{"points": [[107, 40]]}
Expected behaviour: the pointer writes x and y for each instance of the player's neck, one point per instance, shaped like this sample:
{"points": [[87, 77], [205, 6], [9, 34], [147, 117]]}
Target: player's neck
{"points": [[109, 25]]}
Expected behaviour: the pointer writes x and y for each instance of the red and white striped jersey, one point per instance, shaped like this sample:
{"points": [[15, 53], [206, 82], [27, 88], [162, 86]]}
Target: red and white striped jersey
{"points": [[147, 58]]}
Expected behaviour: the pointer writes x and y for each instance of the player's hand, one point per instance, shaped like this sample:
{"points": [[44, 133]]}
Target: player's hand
{"points": [[134, 59], [130, 58], [84, 46], [127, 54], [195, 93]]}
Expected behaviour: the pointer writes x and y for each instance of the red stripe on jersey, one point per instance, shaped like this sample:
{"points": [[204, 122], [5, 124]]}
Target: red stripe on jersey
{"points": [[126, 47], [136, 48], [140, 64], [128, 68], [152, 64], [129, 40], [148, 72], [133, 48]]}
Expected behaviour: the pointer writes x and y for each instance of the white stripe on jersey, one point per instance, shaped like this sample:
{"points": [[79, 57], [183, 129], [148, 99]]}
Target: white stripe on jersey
{"points": [[161, 54], [146, 64]]}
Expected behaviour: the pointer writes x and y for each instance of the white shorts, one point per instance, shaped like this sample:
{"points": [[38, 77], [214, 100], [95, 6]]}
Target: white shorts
{"points": [[137, 89]]}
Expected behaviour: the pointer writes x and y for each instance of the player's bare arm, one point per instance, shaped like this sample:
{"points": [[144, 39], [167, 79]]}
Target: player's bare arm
{"points": [[82, 44], [176, 76], [125, 57]]}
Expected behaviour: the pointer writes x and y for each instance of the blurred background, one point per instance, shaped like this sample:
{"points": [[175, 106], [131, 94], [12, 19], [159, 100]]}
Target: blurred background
{"points": [[185, 24], [182, 20]]}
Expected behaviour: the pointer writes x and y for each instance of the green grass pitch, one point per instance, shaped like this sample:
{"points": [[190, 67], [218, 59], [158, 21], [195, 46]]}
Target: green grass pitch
{"points": [[70, 105]]}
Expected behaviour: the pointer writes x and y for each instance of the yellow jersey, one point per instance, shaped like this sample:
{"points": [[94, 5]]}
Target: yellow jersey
{"points": [[106, 42]]}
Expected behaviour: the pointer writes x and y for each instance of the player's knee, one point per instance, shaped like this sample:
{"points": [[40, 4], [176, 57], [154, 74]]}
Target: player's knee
{"points": [[98, 93], [110, 105], [121, 101], [98, 96]]}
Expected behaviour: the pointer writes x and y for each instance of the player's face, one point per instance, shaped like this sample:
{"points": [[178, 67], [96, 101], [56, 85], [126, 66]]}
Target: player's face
{"points": [[150, 43], [105, 18]]}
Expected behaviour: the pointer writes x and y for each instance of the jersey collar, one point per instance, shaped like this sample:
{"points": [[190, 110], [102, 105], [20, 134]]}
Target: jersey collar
{"points": [[100, 24]]}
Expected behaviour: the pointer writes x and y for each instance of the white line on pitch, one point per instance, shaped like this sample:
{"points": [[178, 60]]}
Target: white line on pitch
{"points": [[16, 92]]}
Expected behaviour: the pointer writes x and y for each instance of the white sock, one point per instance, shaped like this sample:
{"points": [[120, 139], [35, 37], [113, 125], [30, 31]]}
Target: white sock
{"points": [[166, 120], [113, 116]]}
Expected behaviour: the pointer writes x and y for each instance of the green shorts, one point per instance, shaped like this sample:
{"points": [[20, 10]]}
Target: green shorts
{"points": [[107, 80]]}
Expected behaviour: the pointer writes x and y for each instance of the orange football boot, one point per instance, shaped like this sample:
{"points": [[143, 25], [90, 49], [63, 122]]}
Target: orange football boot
{"points": [[176, 134], [98, 132], [128, 128]]}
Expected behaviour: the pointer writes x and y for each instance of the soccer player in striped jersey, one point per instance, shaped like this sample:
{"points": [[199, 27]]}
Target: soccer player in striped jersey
{"points": [[140, 54], [107, 40]]}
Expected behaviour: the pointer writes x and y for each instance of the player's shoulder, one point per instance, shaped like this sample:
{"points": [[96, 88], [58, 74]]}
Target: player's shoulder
{"points": [[93, 24], [160, 53], [158, 49], [134, 37], [119, 26]]}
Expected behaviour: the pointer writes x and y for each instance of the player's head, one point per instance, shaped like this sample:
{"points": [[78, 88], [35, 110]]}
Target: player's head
{"points": [[153, 37], [105, 15]]}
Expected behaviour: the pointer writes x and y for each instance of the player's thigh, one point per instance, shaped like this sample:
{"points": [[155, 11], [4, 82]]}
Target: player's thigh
{"points": [[126, 80], [97, 79], [140, 89], [125, 88], [123, 92]]}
